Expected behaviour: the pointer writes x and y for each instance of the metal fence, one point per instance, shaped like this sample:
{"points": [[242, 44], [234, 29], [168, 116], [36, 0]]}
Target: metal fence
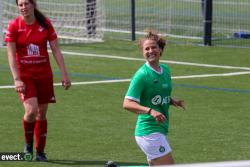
{"points": [[182, 21]]}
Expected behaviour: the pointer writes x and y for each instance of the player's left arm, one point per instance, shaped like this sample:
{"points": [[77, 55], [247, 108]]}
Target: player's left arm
{"points": [[66, 83], [177, 103]]}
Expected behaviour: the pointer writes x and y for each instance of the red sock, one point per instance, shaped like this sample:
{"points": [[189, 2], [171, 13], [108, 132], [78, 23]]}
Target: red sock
{"points": [[40, 134], [28, 131]]}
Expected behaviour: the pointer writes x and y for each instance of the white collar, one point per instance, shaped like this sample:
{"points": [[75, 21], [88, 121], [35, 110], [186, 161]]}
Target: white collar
{"points": [[161, 70]]}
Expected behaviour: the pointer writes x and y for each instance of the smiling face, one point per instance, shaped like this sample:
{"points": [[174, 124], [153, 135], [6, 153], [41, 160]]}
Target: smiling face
{"points": [[151, 51], [26, 8]]}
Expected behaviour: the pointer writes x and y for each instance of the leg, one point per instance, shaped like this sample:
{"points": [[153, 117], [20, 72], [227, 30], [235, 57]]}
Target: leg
{"points": [[164, 160], [41, 131], [45, 93], [42, 111], [31, 108]]}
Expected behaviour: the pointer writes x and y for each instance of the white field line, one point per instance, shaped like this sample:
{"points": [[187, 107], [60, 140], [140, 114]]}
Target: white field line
{"points": [[128, 80], [164, 61], [140, 59], [212, 75], [243, 163]]}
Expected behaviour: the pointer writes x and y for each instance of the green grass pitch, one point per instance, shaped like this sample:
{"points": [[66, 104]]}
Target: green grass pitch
{"points": [[88, 126]]}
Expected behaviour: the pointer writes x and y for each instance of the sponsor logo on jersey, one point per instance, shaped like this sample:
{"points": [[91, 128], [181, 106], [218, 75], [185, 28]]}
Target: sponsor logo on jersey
{"points": [[158, 100], [33, 50]]}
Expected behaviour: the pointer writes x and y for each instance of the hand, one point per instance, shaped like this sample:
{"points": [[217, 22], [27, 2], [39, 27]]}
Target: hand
{"points": [[20, 86], [66, 83], [178, 103], [159, 117]]}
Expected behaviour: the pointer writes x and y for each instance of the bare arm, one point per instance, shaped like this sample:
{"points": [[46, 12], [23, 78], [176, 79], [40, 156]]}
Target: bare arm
{"points": [[135, 107], [66, 83], [11, 50]]}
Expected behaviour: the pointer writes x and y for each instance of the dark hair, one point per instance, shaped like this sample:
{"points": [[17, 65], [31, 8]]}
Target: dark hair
{"points": [[40, 17], [153, 35]]}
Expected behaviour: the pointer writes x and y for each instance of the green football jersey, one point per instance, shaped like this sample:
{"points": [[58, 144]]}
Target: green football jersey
{"points": [[152, 89]]}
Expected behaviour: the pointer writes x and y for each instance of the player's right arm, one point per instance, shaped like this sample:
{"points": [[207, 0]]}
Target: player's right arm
{"points": [[11, 50], [135, 107]]}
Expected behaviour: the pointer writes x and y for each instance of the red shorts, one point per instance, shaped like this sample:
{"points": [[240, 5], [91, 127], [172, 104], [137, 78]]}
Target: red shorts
{"points": [[42, 88]]}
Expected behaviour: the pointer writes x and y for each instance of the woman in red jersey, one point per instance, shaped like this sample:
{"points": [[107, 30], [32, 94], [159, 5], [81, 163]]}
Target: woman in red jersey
{"points": [[26, 37]]}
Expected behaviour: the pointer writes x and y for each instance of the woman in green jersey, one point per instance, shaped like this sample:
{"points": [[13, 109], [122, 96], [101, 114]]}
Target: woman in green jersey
{"points": [[149, 96]]}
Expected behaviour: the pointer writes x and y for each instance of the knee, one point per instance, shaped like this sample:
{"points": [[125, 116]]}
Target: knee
{"points": [[41, 116], [30, 113], [42, 111]]}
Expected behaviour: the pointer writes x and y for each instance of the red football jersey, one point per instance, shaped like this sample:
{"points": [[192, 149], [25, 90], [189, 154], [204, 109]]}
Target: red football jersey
{"points": [[31, 45]]}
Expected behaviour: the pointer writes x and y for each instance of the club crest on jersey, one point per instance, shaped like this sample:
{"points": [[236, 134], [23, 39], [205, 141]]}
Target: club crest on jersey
{"points": [[158, 100], [40, 29], [162, 149]]}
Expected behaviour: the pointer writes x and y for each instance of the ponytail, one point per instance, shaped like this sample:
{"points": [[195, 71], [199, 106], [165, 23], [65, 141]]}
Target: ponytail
{"points": [[41, 19]]}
